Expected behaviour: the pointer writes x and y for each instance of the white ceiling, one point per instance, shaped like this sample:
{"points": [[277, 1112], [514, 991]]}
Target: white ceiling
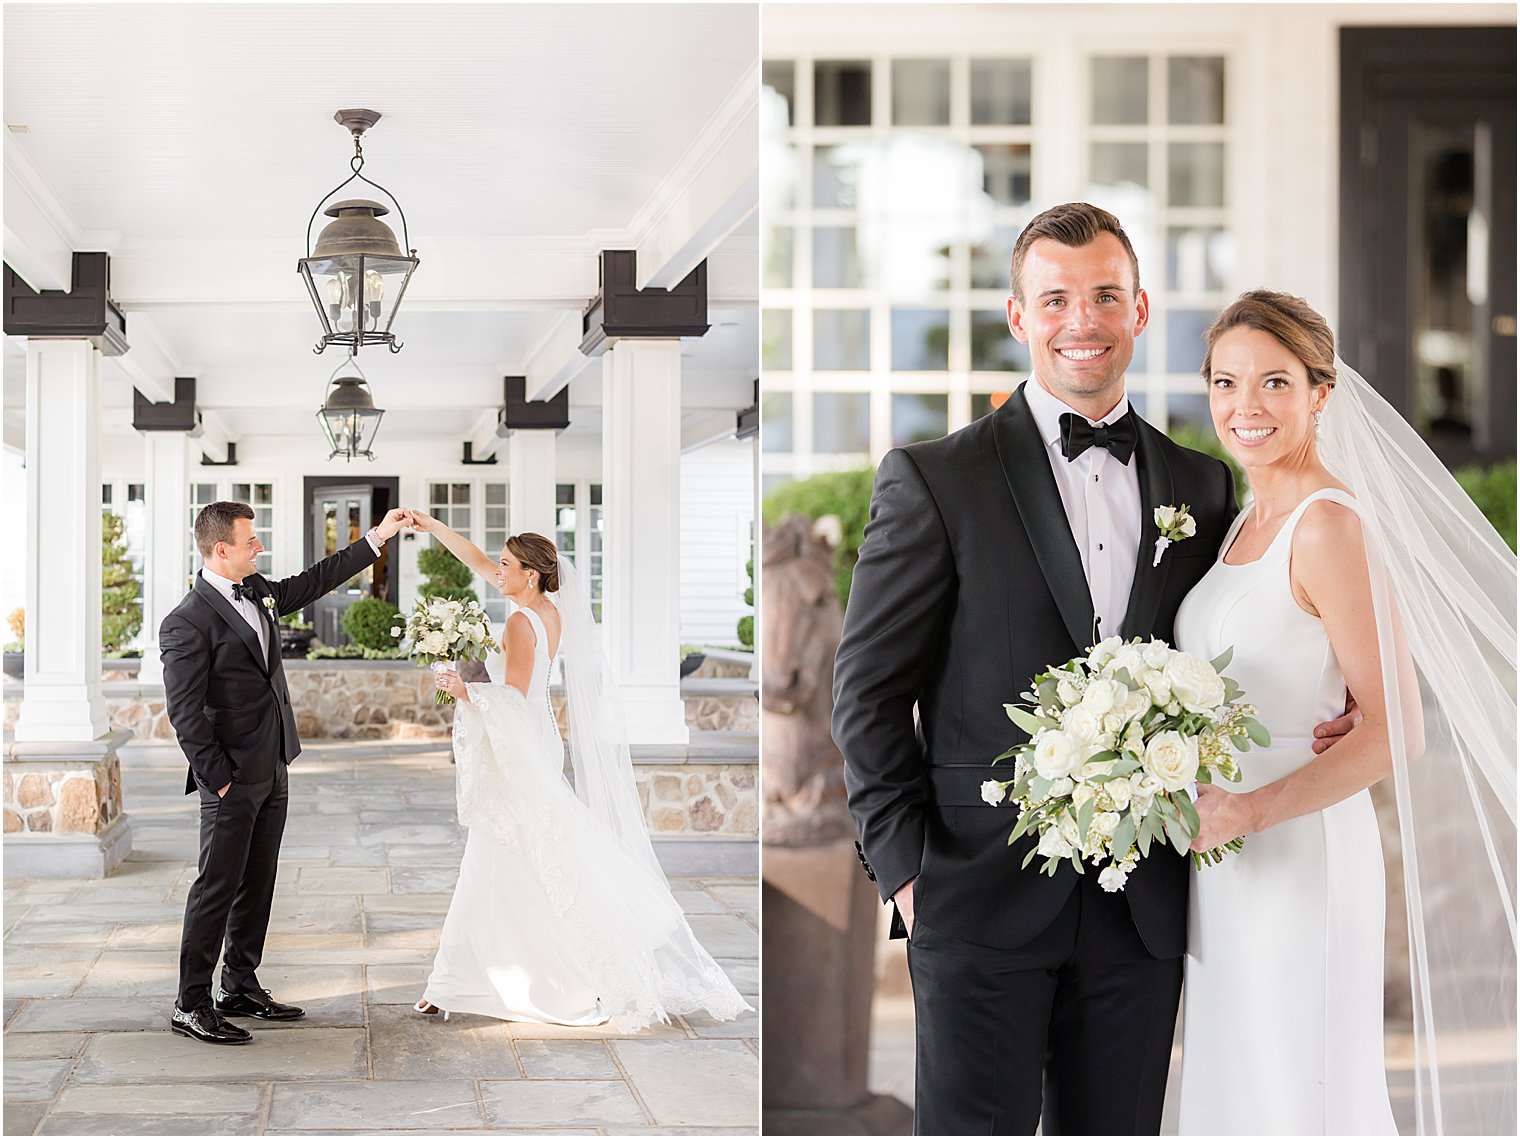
{"points": [[192, 141]]}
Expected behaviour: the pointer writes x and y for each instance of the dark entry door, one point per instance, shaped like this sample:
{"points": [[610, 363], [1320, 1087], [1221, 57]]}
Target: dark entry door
{"points": [[338, 514], [1427, 257]]}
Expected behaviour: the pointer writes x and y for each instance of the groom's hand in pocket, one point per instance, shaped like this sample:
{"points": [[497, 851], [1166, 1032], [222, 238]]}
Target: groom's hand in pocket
{"points": [[903, 899], [1330, 731], [222, 794]]}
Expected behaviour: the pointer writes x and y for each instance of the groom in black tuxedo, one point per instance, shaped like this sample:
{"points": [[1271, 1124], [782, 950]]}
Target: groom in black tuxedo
{"points": [[230, 707], [1006, 547]]}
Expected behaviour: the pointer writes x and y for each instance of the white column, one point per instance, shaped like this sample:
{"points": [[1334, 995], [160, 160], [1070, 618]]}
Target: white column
{"points": [[62, 700], [530, 482], [754, 450], [166, 554], [641, 495]]}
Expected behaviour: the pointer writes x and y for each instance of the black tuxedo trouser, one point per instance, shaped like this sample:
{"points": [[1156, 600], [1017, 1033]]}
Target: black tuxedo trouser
{"points": [[230, 899], [1083, 1005]]}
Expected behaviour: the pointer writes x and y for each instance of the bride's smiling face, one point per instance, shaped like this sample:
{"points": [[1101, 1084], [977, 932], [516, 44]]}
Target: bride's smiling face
{"points": [[1260, 399], [511, 577]]}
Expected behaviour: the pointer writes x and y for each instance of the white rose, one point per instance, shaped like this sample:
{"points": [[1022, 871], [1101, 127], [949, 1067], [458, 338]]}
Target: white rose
{"points": [[1101, 696], [1166, 516], [1114, 722], [1082, 792], [1061, 788], [1103, 651], [1156, 653], [1082, 724], [395, 630], [1137, 703], [1196, 686], [1069, 831], [1105, 823], [1142, 789], [1128, 659], [1159, 687], [1067, 692], [1134, 738], [1173, 759], [1118, 793], [992, 792], [1112, 877], [1055, 754], [1189, 527], [1053, 843]]}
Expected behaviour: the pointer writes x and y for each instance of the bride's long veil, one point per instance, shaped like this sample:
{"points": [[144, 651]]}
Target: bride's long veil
{"points": [[598, 737], [1444, 585]]}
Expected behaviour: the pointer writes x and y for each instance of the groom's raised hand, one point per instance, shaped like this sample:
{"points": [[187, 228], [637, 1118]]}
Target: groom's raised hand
{"points": [[393, 521]]}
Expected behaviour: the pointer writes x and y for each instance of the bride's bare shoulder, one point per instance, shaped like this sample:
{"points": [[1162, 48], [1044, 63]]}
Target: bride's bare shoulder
{"points": [[1329, 532]]}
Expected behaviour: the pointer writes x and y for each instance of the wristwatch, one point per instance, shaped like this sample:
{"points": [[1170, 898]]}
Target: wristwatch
{"points": [[373, 536]]}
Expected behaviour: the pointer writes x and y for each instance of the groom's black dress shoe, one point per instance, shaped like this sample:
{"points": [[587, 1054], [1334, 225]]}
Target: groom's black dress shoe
{"points": [[256, 1003], [206, 1025]]}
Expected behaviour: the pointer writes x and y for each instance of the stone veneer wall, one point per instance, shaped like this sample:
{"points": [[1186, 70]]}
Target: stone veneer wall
{"points": [[379, 702], [67, 799], [699, 798]]}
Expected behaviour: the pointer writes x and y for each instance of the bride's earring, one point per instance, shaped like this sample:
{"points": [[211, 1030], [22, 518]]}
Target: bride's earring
{"points": [[1318, 419]]}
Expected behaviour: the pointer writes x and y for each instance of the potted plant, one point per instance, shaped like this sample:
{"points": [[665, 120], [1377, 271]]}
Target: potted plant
{"points": [[296, 635]]}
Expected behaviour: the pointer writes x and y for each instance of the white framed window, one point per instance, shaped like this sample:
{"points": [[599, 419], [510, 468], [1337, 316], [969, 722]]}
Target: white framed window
{"points": [[494, 536], [202, 494], [896, 187], [260, 496]]}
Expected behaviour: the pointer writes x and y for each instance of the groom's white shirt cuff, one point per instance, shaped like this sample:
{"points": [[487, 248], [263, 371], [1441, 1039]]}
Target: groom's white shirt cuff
{"points": [[1101, 497]]}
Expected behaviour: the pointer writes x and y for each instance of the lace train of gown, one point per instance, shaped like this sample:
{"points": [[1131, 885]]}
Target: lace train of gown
{"points": [[1283, 999], [553, 920]]}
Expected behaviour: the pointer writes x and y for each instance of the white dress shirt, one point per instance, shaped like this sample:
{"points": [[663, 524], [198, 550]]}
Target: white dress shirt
{"points": [[1102, 500], [247, 608]]}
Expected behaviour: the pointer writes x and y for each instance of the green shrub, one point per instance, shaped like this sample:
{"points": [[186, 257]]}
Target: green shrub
{"points": [[846, 494], [446, 576], [120, 592], [353, 652], [746, 629], [1493, 489], [369, 621]]}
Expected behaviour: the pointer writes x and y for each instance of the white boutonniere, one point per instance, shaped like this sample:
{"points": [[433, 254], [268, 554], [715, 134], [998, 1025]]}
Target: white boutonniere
{"points": [[269, 604], [1175, 524]]}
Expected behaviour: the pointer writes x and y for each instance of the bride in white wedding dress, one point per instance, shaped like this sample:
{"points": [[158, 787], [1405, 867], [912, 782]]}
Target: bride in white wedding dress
{"points": [[562, 914], [1284, 994]]}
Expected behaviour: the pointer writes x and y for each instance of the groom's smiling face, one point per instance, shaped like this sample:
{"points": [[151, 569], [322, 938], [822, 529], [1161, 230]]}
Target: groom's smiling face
{"points": [[1079, 310]]}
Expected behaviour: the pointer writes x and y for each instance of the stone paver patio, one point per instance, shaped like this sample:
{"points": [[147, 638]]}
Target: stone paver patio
{"points": [[371, 852]]}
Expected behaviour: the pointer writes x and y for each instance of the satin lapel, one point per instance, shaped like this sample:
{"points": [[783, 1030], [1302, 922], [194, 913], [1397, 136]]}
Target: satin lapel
{"points": [[234, 619], [1027, 471], [1155, 490]]}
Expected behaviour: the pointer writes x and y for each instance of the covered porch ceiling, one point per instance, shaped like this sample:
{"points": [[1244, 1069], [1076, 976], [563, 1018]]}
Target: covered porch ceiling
{"points": [[192, 141]]}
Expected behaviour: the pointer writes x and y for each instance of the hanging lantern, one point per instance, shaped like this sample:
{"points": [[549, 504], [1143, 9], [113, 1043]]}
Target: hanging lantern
{"points": [[348, 414], [356, 273]]}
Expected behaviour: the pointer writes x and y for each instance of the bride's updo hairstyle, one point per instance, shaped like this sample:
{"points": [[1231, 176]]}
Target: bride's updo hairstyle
{"points": [[537, 553], [1287, 319]]}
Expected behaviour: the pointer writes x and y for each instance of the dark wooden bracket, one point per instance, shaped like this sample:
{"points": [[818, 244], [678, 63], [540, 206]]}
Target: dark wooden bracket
{"points": [[747, 422], [230, 462], [85, 312], [518, 413], [177, 416], [621, 310]]}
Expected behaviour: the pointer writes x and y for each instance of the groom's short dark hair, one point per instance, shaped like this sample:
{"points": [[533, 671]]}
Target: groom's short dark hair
{"points": [[1074, 224], [214, 524]]}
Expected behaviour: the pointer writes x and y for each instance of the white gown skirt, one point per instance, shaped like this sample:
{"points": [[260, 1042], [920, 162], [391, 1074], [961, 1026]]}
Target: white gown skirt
{"points": [[502, 952], [1282, 1018]]}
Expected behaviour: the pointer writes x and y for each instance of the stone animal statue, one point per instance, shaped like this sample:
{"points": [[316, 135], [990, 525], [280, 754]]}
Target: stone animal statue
{"points": [[802, 772]]}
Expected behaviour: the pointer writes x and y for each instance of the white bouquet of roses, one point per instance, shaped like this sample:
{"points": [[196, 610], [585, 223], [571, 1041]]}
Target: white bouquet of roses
{"points": [[1116, 737], [442, 631]]}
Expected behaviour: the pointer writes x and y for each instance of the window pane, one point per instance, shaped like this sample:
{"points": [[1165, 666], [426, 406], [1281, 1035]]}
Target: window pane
{"points": [[836, 175], [1189, 409], [1119, 164], [779, 77], [841, 422], [776, 421], [836, 262], [920, 340], [564, 494], [496, 494], [841, 340], [1005, 173], [917, 416], [105, 494], [993, 348], [1140, 402], [842, 93], [461, 493], [776, 339], [991, 259], [1000, 91], [1184, 338], [1120, 89], [1195, 89], [778, 257], [1195, 173], [1140, 361], [1198, 259], [496, 519], [921, 92], [135, 492]]}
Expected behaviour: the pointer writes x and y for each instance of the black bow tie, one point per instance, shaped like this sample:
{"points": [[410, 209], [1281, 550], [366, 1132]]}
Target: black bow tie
{"points": [[1077, 435], [242, 592]]}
